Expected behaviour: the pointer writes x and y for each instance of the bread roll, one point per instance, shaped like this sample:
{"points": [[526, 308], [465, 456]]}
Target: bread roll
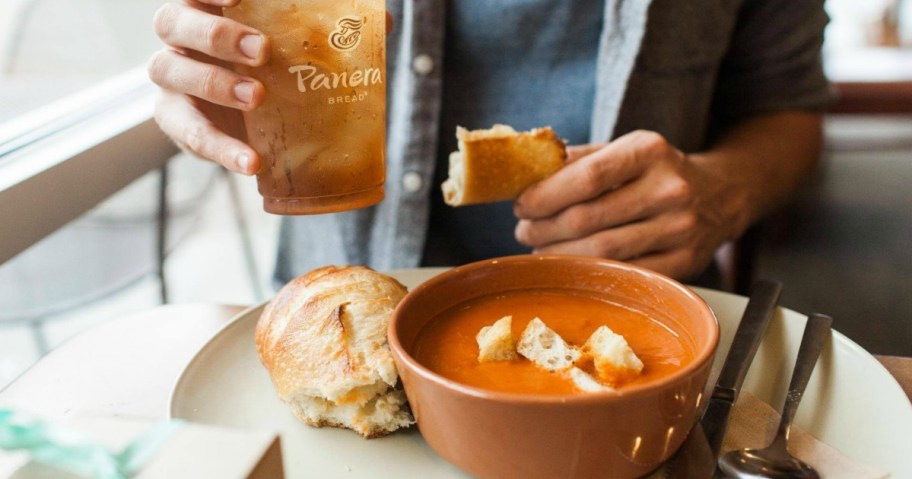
{"points": [[323, 341], [498, 164]]}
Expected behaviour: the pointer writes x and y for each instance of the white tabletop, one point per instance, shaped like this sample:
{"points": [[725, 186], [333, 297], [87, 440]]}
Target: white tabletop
{"points": [[127, 367]]}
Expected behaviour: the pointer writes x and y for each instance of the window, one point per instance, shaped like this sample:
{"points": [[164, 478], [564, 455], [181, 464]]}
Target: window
{"points": [[857, 24], [75, 129]]}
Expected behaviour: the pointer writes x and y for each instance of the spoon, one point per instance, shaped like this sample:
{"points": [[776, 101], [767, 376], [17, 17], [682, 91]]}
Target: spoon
{"points": [[774, 461]]}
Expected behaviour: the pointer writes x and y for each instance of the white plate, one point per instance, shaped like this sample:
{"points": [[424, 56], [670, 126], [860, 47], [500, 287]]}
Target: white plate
{"points": [[852, 403]]}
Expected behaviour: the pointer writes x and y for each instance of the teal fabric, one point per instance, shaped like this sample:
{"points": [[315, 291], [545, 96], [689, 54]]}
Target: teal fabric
{"points": [[71, 451]]}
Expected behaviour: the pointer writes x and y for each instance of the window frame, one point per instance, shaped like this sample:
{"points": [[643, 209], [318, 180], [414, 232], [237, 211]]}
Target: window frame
{"points": [[61, 160]]}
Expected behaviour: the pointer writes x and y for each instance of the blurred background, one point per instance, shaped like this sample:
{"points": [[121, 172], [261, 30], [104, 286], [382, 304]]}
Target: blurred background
{"points": [[844, 247]]}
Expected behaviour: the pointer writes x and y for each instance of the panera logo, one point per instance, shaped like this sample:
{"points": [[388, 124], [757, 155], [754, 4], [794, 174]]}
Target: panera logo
{"points": [[310, 78], [347, 34]]}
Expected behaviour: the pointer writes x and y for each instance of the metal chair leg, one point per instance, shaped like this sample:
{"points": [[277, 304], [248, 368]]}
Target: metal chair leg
{"points": [[41, 344], [244, 232], [162, 232]]}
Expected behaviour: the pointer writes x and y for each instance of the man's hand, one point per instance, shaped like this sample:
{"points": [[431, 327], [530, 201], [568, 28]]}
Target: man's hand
{"points": [[641, 200], [637, 199], [201, 97]]}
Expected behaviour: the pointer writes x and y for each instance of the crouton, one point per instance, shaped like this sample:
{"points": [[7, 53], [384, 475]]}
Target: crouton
{"points": [[544, 347], [585, 382], [495, 342], [615, 363]]}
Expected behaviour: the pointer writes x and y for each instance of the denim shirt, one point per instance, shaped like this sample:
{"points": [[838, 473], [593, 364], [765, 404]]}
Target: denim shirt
{"points": [[541, 73], [687, 69]]}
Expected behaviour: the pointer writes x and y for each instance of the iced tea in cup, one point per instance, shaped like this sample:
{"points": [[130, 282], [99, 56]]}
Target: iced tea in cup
{"points": [[321, 131]]}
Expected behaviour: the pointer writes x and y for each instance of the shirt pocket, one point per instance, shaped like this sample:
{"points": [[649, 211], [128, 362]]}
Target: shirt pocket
{"points": [[687, 36]]}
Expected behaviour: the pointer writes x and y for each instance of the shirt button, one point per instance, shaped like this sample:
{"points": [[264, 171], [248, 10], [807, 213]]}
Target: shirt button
{"points": [[412, 182], [423, 64]]}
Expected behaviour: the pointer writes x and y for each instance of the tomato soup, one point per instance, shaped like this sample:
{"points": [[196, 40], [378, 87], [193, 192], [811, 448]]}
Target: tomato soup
{"points": [[447, 345]]}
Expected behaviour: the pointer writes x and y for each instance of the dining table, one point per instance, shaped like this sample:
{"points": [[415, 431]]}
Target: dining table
{"points": [[127, 367]]}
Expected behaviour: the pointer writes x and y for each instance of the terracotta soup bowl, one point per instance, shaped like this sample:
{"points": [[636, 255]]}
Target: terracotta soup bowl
{"points": [[615, 434]]}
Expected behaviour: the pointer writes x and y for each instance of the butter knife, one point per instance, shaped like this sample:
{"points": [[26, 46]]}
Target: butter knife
{"points": [[696, 459]]}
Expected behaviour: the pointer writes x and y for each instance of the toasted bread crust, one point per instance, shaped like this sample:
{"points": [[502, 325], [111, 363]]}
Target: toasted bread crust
{"points": [[500, 163], [324, 337]]}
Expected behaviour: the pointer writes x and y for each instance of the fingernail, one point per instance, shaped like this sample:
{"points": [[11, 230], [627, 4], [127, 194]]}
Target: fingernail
{"points": [[243, 91], [517, 209], [243, 163], [251, 46]]}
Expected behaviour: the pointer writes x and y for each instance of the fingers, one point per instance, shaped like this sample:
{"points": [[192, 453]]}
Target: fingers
{"points": [[576, 152], [630, 241], [588, 177], [211, 6], [612, 244], [180, 119], [181, 74], [633, 202], [182, 26]]}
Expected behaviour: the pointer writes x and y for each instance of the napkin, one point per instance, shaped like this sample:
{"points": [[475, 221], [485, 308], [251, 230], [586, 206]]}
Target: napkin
{"points": [[753, 424], [69, 450], [121, 448]]}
